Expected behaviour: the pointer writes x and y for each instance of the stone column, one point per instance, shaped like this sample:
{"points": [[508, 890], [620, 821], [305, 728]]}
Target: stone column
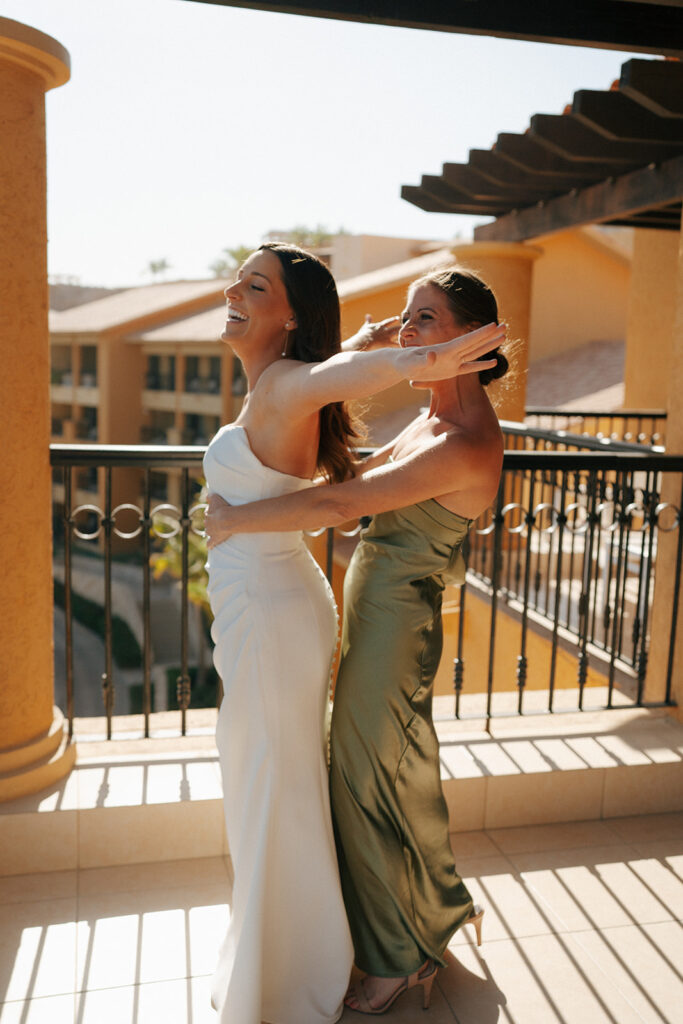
{"points": [[507, 267], [33, 748], [651, 316]]}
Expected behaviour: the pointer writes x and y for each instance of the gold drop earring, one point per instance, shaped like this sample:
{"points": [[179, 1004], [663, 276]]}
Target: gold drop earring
{"points": [[288, 328]]}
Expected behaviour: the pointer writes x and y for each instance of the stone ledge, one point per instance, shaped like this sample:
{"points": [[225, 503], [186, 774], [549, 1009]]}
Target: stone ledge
{"points": [[160, 799]]}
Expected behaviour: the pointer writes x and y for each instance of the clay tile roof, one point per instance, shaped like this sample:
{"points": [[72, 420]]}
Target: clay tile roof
{"points": [[204, 326], [131, 305]]}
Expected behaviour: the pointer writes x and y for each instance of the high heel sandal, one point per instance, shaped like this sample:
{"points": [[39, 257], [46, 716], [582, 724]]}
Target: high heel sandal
{"points": [[475, 919], [425, 977]]}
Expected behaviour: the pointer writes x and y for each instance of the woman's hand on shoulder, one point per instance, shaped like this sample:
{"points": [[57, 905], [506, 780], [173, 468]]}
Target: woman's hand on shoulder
{"points": [[425, 364], [215, 521]]}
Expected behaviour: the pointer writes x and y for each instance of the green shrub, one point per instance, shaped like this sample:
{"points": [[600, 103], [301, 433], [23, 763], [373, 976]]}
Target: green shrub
{"points": [[125, 648]]}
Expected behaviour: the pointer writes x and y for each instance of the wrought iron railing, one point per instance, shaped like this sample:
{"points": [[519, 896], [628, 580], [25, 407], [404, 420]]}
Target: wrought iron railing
{"points": [[638, 426], [572, 545], [571, 550], [526, 437]]}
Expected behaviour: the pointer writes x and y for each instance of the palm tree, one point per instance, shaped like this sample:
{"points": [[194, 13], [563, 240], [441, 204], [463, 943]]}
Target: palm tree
{"points": [[156, 267]]}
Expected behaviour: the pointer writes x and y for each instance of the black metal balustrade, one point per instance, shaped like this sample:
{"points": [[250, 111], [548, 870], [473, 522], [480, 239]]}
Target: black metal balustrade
{"points": [[642, 426], [529, 438], [569, 550]]}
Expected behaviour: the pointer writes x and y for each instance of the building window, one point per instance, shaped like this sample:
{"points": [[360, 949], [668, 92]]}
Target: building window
{"points": [[88, 366], [60, 369], [203, 375], [156, 431], [86, 426], [160, 374], [199, 429]]}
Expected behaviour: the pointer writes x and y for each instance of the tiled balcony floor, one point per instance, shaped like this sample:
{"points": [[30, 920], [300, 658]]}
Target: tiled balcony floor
{"points": [[583, 926]]}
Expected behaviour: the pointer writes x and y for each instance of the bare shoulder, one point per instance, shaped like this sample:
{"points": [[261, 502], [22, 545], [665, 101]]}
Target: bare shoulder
{"points": [[275, 375], [477, 454], [481, 444]]}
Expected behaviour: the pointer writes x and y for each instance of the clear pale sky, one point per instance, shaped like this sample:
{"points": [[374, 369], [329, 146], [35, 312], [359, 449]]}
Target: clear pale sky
{"points": [[188, 127]]}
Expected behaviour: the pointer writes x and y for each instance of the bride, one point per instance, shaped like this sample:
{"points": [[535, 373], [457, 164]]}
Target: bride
{"points": [[287, 955]]}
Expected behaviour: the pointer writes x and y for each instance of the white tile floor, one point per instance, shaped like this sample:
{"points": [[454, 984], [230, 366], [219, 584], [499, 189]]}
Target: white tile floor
{"points": [[584, 925]]}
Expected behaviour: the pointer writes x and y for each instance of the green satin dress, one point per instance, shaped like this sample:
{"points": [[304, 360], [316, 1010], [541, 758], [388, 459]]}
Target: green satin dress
{"points": [[403, 895]]}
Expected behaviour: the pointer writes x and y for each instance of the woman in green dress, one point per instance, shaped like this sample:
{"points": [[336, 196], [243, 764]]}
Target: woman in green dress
{"points": [[403, 896]]}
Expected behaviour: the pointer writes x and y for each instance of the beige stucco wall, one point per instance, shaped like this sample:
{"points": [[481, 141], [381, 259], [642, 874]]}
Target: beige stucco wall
{"points": [[359, 254], [380, 304], [580, 294], [651, 315]]}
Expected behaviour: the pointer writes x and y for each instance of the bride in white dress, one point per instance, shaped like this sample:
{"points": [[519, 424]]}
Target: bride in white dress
{"points": [[287, 955]]}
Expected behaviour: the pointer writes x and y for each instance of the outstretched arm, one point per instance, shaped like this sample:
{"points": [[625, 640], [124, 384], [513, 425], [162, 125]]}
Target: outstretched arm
{"points": [[423, 475], [307, 387]]}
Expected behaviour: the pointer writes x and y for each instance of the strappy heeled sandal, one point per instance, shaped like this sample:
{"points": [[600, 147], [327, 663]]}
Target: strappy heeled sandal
{"points": [[425, 977], [475, 919]]}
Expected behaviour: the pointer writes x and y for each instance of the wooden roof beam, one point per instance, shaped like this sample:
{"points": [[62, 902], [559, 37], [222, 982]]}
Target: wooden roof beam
{"points": [[639, 27], [566, 135], [655, 84], [500, 171], [618, 198], [621, 118], [414, 194], [458, 201], [468, 180], [532, 154]]}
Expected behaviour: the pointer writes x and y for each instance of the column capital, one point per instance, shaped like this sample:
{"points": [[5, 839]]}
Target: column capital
{"points": [[34, 51]]}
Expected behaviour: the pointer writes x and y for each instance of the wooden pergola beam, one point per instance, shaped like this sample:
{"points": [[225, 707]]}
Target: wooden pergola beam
{"points": [[619, 117], [641, 27], [531, 154], [565, 135], [612, 200], [655, 84]]}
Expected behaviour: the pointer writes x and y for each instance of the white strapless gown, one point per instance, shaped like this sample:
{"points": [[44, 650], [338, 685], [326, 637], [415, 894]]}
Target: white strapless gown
{"points": [[287, 955]]}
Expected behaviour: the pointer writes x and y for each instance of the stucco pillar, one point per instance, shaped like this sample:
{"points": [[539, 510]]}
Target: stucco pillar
{"points": [[671, 369], [651, 315], [507, 268], [33, 748]]}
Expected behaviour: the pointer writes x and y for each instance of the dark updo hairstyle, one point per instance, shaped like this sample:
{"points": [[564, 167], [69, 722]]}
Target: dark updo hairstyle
{"points": [[312, 294], [473, 305]]}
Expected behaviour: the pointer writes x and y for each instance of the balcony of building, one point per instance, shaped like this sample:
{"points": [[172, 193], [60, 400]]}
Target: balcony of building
{"points": [[561, 762]]}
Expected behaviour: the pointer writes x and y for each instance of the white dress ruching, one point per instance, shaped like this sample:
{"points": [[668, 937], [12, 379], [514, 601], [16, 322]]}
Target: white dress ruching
{"points": [[287, 955]]}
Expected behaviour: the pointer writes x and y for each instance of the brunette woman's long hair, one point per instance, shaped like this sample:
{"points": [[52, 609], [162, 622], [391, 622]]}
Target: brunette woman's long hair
{"points": [[313, 296]]}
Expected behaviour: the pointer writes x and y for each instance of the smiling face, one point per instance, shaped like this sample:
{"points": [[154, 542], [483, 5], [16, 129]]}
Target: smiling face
{"points": [[428, 318], [258, 310]]}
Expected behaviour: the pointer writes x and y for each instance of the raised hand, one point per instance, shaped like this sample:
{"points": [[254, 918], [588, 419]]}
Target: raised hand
{"points": [[374, 335], [427, 363]]}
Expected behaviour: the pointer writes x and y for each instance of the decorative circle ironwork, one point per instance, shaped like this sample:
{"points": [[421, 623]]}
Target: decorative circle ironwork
{"points": [[350, 533], [580, 526], [175, 524], [87, 508], [662, 507], [201, 507], [127, 534], [555, 512], [509, 508]]}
